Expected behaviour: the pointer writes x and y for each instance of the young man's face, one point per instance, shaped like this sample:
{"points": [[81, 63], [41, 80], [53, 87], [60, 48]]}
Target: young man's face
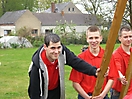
{"points": [[94, 39], [53, 51], [126, 38]]}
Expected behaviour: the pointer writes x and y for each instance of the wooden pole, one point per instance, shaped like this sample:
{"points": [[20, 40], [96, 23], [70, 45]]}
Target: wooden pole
{"points": [[121, 4], [128, 78]]}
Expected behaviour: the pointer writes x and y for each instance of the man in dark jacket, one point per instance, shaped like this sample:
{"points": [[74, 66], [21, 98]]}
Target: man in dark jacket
{"points": [[46, 71]]}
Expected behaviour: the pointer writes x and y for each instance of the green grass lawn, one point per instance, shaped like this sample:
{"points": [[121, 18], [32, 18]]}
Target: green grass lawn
{"points": [[14, 73]]}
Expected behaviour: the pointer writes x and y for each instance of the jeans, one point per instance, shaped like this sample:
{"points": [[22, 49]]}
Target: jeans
{"points": [[114, 94], [90, 94], [54, 94]]}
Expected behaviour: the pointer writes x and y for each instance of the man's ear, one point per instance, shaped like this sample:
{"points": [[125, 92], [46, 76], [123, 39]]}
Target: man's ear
{"points": [[101, 37], [119, 38], [45, 46], [87, 40]]}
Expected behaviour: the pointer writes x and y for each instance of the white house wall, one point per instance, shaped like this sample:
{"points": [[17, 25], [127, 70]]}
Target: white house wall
{"points": [[78, 29], [1, 32], [2, 28], [43, 28]]}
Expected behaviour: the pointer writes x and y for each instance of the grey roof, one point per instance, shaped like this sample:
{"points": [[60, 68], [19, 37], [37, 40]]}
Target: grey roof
{"points": [[51, 19], [11, 17], [59, 6]]}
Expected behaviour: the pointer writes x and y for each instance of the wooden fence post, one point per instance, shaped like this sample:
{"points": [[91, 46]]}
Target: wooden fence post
{"points": [[121, 4], [128, 78]]}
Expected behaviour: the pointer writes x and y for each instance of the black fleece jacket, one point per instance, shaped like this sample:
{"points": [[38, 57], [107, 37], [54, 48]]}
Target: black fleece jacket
{"points": [[71, 60]]}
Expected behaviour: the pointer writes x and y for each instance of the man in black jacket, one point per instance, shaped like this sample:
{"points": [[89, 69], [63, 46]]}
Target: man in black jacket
{"points": [[46, 71]]}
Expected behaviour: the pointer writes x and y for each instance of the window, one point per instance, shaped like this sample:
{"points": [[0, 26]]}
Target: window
{"points": [[7, 32], [72, 9], [68, 9], [48, 31], [34, 31]]}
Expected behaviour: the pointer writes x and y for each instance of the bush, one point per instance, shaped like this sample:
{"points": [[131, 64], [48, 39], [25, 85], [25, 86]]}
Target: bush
{"points": [[14, 45], [24, 32], [1, 45], [37, 43], [105, 36]]}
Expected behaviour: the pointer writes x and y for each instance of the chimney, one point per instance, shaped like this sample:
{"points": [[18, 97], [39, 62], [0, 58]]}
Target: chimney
{"points": [[62, 13], [52, 7]]}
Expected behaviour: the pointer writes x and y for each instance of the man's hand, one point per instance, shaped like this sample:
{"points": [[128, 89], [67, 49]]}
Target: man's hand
{"points": [[107, 72], [97, 71], [89, 97], [123, 80], [98, 97]]}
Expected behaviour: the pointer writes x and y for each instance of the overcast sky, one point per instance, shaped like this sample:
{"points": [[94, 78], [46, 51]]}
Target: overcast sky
{"points": [[80, 7], [105, 5]]}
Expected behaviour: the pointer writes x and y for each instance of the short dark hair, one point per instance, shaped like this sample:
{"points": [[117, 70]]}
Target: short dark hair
{"points": [[124, 28], [51, 37]]}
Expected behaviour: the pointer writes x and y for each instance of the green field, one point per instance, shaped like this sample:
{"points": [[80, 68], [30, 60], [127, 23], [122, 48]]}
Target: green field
{"points": [[14, 73]]}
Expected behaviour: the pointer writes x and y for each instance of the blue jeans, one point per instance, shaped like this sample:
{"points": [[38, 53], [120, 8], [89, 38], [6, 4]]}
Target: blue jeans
{"points": [[114, 94], [90, 94]]}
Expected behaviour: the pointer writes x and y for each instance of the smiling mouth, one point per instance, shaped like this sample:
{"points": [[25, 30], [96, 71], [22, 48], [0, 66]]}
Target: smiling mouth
{"points": [[94, 44], [56, 55]]}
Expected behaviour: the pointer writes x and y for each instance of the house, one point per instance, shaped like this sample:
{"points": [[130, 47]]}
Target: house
{"points": [[67, 7], [41, 23], [13, 21], [65, 13], [79, 21]]}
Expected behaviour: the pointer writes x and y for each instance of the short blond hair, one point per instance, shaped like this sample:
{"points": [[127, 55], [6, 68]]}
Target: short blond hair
{"points": [[93, 29]]}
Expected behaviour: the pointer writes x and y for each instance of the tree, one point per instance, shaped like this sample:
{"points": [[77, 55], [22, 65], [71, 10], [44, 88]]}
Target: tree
{"points": [[23, 32], [65, 31], [127, 18], [104, 10], [32, 5], [13, 5], [45, 4], [98, 7]]}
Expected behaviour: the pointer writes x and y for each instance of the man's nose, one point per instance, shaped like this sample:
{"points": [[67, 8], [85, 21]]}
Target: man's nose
{"points": [[56, 50], [94, 39]]}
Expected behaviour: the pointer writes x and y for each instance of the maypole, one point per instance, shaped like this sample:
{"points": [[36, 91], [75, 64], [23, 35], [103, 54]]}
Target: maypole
{"points": [[113, 33], [128, 76]]}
